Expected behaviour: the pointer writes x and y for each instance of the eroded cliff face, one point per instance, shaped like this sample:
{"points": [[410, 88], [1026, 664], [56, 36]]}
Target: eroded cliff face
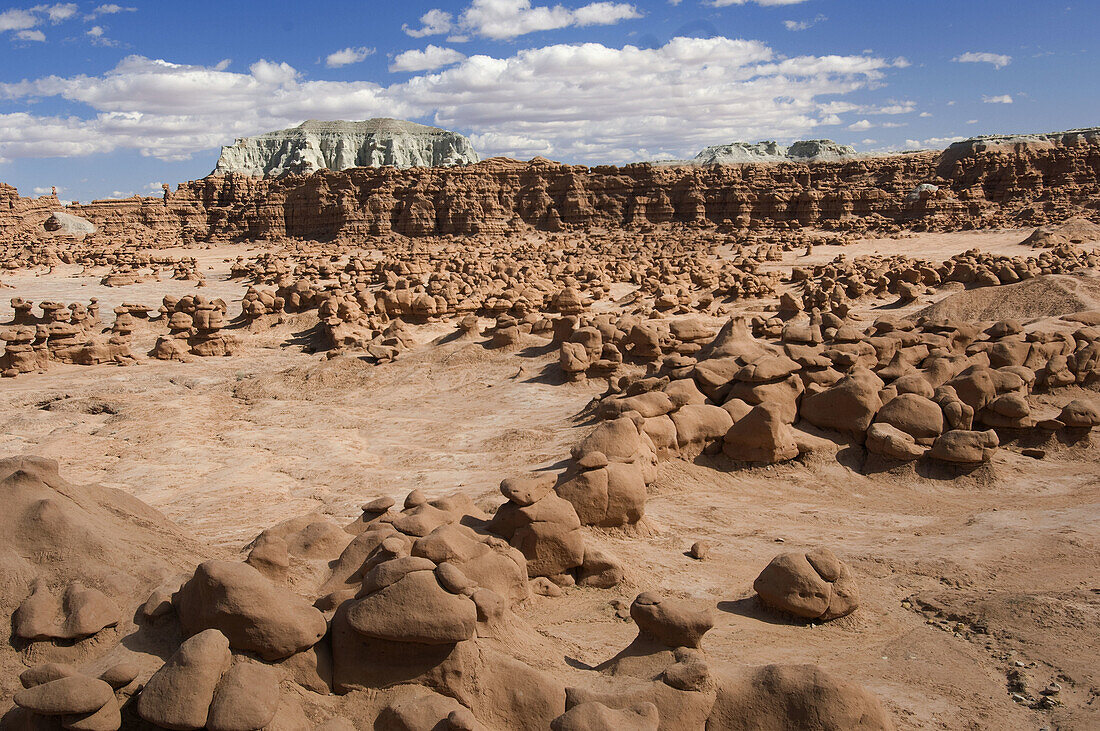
{"points": [[18, 213], [313, 146], [1020, 183], [801, 151]]}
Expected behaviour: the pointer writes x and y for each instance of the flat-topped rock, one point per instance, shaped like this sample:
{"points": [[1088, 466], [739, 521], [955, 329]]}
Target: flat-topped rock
{"points": [[770, 151], [316, 145]]}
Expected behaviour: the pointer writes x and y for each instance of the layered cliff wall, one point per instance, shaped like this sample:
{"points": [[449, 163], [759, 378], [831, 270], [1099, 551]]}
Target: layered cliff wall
{"points": [[1020, 182], [313, 146], [801, 151], [18, 213]]}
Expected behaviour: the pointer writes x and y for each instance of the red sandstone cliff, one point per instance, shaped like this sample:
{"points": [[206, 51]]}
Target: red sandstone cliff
{"points": [[18, 213], [976, 184]]}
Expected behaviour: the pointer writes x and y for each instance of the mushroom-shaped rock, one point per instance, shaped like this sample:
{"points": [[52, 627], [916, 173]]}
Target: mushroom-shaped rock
{"points": [[683, 392], [814, 585], [524, 491], [768, 368], [178, 696], [762, 435], [87, 611], [433, 711], [81, 612], [573, 358], [547, 533], [600, 570], [245, 698], [777, 697], [965, 447], [670, 622], [46, 672], [608, 496], [1008, 410], [892, 443], [975, 386], [255, 614], [1080, 414], [697, 424], [618, 440], [391, 569], [649, 405], [379, 505], [414, 608], [595, 716], [690, 329], [107, 718], [120, 675], [486, 561], [71, 695], [917, 416], [848, 406]]}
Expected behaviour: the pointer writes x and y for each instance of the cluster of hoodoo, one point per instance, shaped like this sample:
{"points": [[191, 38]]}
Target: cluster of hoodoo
{"points": [[902, 389]]}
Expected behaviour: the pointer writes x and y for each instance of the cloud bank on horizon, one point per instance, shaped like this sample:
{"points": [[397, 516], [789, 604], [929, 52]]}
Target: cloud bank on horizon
{"points": [[579, 81], [526, 104]]}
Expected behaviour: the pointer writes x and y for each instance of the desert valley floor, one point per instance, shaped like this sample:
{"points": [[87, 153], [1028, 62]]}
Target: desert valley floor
{"points": [[979, 588]]}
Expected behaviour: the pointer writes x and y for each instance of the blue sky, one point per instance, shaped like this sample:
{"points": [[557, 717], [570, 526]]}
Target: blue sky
{"points": [[111, 99]]}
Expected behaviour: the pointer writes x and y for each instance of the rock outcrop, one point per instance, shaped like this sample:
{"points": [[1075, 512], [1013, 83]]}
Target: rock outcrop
{"points": [[745, 152], [66, 224], [1027, 183], [314, 145]]}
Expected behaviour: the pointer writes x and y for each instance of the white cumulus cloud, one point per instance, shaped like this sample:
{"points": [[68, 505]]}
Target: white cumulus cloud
{"points": [[56, 13], [24, 22], [796, 25], [16, 19], [432, 57], [1000, 99], [765, 3], [577, 102], [432, 23], [502, 19], [581, 102], [347, 56], [998, 60], [110, 9], [906, 107]]}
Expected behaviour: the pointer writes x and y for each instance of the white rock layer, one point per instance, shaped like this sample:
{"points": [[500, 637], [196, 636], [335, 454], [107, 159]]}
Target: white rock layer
{"points": [[744, 152], [314, 145], [66, 224]]}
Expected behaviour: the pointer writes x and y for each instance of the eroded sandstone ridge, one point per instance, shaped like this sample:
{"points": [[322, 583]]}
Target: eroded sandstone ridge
{"points": [[986, 183], [314, 145]]}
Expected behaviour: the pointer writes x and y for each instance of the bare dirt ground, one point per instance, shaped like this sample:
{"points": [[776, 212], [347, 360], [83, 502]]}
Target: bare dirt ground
{"points": [[970, 583]]}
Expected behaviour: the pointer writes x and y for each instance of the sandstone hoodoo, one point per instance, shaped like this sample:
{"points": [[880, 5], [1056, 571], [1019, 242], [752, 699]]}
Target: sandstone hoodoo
{"points": [[314, 145]]}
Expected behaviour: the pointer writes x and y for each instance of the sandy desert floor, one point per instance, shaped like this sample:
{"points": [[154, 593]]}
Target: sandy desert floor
{"points": [[968, 580]]}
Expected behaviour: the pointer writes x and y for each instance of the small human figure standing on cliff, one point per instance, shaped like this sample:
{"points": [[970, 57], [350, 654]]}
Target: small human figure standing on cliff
{"points": [[164, 187]]}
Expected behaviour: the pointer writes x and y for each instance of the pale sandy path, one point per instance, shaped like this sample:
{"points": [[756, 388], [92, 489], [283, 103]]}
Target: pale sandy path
{"points": [[226, 447]]}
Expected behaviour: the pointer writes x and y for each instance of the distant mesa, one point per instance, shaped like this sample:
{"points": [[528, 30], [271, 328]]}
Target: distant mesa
{"points": [[768, 151], [801, 151], [314, 145]]}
